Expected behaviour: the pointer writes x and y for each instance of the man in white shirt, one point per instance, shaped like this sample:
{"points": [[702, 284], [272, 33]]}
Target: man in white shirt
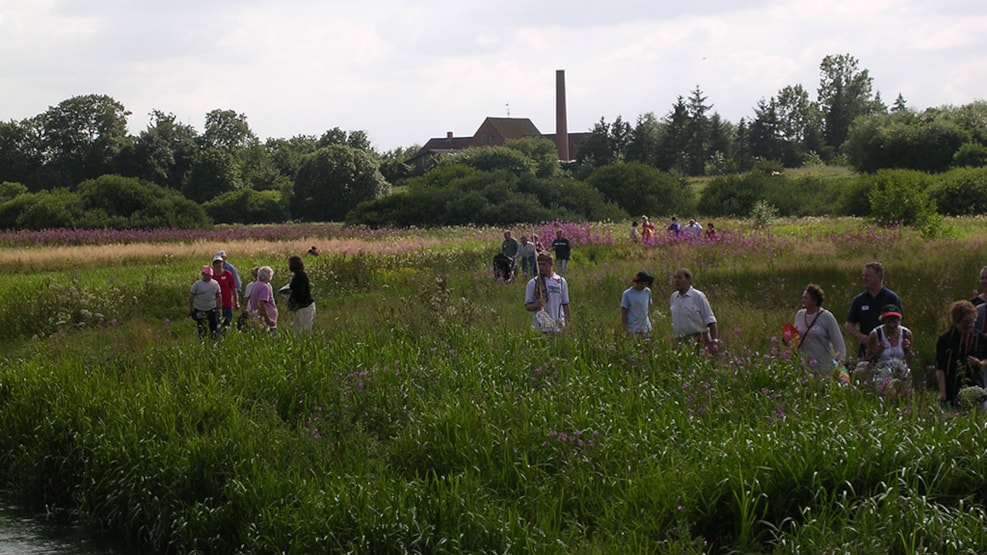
{"points": [[693, 321], [547, 295], [693, 229]]}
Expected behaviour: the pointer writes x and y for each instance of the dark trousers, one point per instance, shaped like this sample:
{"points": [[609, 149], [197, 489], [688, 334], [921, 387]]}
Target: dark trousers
{"points": [[207, 321]]}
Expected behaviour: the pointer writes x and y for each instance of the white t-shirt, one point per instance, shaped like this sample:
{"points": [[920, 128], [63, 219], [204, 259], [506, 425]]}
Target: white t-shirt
{"points": [[637, 303], [558, 295]]}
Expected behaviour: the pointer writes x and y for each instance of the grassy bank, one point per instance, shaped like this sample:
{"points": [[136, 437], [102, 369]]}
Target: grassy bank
{"points": [[425, 416]]}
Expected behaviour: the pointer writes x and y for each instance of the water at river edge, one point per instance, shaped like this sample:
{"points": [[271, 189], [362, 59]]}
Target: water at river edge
{"points": [[24, 533]]}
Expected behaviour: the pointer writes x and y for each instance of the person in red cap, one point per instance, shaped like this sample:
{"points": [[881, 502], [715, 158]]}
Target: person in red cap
{"points": [[865, 310], [204, 301], [635, 305], [889, 346]]}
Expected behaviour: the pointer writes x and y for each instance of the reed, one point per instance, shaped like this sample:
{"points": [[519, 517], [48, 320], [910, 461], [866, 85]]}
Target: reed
{"points": [[423, 414]]}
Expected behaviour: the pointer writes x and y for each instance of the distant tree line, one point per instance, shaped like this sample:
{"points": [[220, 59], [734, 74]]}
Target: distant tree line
{"points": [[76, 166]]}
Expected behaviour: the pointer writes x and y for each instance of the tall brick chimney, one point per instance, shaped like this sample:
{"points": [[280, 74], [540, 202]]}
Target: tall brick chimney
{"points": [[561, 127]]}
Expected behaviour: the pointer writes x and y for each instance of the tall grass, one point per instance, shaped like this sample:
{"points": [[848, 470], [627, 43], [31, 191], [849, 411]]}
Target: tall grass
{"points": [[423, 415]]}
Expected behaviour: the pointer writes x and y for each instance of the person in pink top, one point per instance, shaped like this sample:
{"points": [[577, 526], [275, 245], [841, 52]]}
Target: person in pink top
{"points": [[262, 299]]}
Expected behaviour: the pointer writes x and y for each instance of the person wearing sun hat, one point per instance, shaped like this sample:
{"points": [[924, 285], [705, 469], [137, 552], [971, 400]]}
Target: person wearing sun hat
{"points": [[635, 305], [204, 301]]}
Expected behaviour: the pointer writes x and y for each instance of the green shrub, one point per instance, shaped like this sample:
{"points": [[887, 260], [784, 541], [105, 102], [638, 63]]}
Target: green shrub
{"points": [[961, 191], [641, 189], [900, 197], [854, 199], [972, 155], [247, 207], [763, 214], [9, 190], [733, 195]]}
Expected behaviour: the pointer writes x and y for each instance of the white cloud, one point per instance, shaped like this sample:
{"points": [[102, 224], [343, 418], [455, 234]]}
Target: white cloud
{"points": [[405, 72]]}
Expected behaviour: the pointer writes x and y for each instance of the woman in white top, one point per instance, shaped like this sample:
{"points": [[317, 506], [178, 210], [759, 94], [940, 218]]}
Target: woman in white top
{"points": [[889, 346], [821, 345]]}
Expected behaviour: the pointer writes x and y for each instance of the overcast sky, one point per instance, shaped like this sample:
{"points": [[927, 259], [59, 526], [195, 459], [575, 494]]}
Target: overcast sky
{"points": [[405, 71]]}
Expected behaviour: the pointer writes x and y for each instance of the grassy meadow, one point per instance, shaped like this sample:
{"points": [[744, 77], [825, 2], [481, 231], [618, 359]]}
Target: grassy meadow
{"points": [[423, 415]]}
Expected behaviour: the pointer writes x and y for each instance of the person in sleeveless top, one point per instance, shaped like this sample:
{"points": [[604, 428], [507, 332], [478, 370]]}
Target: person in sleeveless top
{"points": [[889, 349]]}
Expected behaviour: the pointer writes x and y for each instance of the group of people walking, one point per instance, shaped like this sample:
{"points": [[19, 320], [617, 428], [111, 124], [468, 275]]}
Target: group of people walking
{"points": [[522, 255], [692, 230], [215, 296], [884, 349]]}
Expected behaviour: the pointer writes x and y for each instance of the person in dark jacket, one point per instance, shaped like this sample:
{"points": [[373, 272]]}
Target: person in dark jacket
{"points": [[300, 301], [961, 353]]}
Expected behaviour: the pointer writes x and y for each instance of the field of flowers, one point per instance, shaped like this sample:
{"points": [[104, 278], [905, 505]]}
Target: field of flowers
{"points": [[424, 415]]}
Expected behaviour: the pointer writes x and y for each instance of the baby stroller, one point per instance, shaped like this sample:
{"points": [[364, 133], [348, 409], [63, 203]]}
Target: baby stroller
{"points": [[503, 268]]}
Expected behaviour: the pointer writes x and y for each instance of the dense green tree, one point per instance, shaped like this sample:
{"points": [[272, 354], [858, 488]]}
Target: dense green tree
{"points": [[732, 195], [899, 105], [542, 152], [698, 132], [638, 188], [786, 127], [721, 134], [493, 158], [163, 153], [333, 180], [971, 117], [742, 156], [359, 140], [672, 153], [214, 171], [20, 153], [766, 140], [81, 138], [117, 196], [258, 170], [288, 154], [801, 124], [394, 166], [228, 130], [354, 139], [334, 136], [645, 139], [844, 94], [903, 141], [605, 145]]}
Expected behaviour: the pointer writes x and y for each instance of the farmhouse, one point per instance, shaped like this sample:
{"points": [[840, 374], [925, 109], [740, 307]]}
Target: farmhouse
{"points": [[496, 131]]}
